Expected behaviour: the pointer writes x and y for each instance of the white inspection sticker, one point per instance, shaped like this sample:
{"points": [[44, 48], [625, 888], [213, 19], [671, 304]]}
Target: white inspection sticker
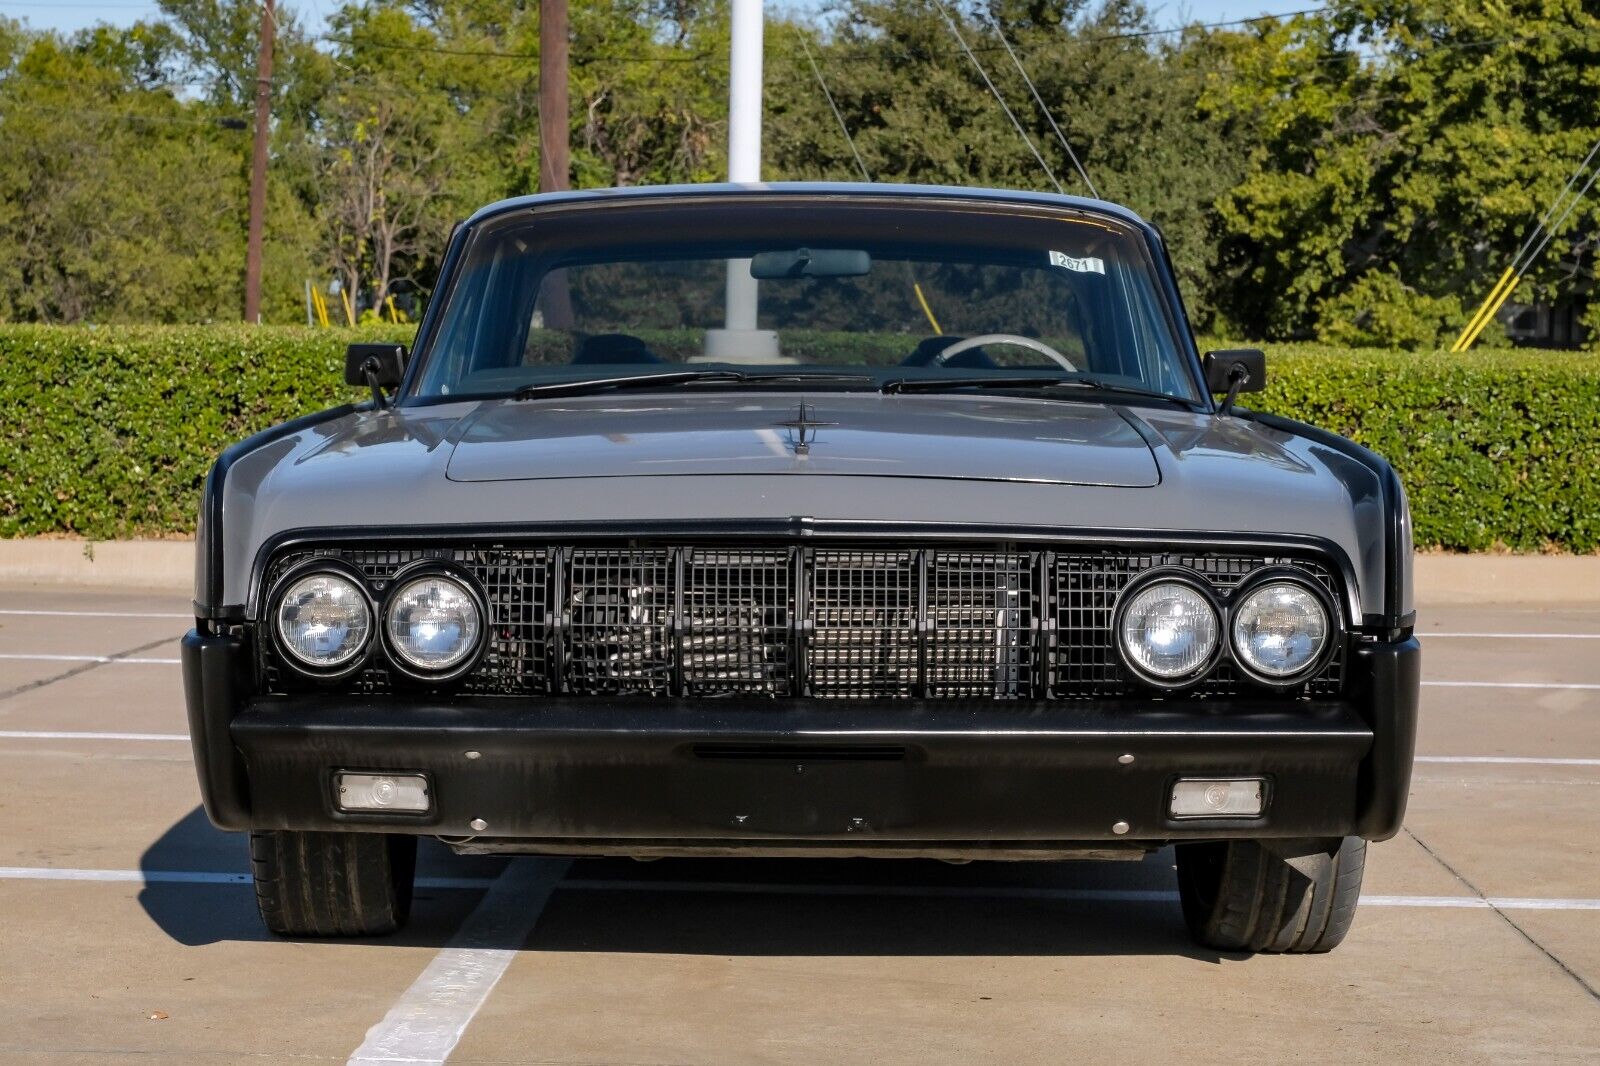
{"points": [[1086, 265]]}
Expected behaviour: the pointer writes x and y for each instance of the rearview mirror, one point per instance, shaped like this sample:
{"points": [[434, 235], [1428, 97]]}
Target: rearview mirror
{"points": [[1246, 367], [811, 263]]}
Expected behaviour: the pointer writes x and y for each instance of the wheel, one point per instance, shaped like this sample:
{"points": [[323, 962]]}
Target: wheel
{"points": [[1295, 896], [333, 884]]}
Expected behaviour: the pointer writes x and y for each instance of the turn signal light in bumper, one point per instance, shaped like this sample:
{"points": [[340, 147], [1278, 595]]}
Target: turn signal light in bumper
{"points": [[403, 793], [1212, 797]]}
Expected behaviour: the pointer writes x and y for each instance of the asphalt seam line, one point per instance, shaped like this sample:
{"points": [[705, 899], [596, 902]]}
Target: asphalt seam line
{"points": [[1500, 911], [87, 663], [429, 1018]]}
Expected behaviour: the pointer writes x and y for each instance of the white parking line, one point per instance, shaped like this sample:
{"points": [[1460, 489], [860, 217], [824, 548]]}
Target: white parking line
{"points": [[1507, 760], [539, 879], [96, 614], [188, 877], [427, 1021], [1509, 684], [41, 734], [1511, 636], [138, 660]]}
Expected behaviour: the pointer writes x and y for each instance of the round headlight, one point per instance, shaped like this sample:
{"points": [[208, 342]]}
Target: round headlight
{"points": [[323, 621], [1280, 631], [433, 623], [1168, 632]]}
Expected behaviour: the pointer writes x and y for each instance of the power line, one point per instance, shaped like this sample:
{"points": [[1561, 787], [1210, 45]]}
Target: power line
{"points": [[984, 74], [1084, 174], [1520, 263], [837, 117]]}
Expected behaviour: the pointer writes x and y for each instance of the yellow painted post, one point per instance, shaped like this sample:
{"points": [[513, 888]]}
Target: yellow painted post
{"points": [[349, 308], [1505, 294], [394, 316], [923, 300], [320, 302], [1480, 319]]}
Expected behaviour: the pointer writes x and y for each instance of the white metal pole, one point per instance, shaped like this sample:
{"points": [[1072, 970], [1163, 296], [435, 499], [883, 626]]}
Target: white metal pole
{"points": [[744, 143]]}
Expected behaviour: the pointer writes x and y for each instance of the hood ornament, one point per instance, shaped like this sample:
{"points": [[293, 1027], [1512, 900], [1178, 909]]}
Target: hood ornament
{"points": [[803, 429]]}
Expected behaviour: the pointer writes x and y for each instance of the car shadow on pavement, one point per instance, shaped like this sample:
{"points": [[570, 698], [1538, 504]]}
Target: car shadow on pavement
{"points": [[750, 907]]}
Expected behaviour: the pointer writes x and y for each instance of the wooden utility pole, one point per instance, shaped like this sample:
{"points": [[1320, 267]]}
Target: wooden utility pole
{"points": [[555, 159], [258, 168]]}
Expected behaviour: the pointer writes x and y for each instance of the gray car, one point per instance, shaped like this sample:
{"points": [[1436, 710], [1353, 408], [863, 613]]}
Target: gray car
{"points": [[806, 520]]}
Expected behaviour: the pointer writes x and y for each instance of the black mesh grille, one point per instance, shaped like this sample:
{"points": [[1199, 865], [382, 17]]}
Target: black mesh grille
{"points": [[982, 615], [619, 607], [738, 611], [778, 620], [863, 608]]}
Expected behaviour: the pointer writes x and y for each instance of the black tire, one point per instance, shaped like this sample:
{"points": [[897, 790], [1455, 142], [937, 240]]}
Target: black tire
{"points": [[1277, 895], [333, 884]]}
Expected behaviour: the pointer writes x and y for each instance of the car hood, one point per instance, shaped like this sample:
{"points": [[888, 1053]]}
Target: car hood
{"points": [[962, 438], [906, 461]]}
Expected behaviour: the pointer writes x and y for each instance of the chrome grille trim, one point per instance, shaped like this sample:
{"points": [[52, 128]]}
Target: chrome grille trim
{"points": [[782, 620]]}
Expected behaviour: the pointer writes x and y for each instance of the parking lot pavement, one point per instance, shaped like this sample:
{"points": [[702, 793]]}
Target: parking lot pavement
{"points": [[129, 930]]}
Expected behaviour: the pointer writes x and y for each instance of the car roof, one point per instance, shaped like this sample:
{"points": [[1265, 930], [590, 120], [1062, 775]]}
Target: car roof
{"points": [[814, 188]]}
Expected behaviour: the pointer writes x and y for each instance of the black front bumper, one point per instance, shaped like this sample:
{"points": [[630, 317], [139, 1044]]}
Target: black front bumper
{"points": [[978, 775]]}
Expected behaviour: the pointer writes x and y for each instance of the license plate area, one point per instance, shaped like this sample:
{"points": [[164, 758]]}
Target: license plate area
{"points": [[825, 791]]}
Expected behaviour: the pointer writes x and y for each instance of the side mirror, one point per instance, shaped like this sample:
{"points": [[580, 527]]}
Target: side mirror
{"points": [[1235, 370], [379, 366]]}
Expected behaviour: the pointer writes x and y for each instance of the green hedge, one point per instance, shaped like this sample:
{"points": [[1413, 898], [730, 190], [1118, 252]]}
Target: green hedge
{"points": [[107, 432], [1497, 449]]}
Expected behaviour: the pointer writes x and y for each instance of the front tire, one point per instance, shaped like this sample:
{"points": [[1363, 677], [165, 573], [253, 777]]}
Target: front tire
{"points": [[1293, 896], [333, 884]]}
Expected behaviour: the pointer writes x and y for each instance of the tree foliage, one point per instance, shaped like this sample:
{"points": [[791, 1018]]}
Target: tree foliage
{"points": [[1360, 174]]}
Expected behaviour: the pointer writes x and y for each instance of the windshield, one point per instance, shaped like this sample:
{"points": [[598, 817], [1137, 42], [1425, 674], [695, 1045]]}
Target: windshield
{"points": [[778, 288]]}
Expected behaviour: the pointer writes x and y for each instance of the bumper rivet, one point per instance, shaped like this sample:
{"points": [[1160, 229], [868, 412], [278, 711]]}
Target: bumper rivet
{"points": [[1125, 759], [1120, 828], [479, 825], [474, 754]]}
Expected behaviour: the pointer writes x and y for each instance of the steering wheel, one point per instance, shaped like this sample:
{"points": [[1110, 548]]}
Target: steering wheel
{"points": [[1013, 339]]}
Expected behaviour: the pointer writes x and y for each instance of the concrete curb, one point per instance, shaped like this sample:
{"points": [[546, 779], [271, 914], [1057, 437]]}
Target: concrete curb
{"points": [[169, 565]]}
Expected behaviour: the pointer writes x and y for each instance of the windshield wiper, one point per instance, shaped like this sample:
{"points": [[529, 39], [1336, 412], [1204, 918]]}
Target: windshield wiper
{"points": [[673, 378], [1046, 385]]}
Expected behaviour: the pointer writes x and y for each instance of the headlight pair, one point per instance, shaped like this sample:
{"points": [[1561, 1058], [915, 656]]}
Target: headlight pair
{"points": [[1171, 629], [433, 622]]}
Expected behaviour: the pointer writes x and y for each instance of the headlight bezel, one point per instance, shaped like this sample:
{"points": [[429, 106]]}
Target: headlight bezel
{"points": [[1194, 582], [1285, 575], [273, 620], [437, 569]]}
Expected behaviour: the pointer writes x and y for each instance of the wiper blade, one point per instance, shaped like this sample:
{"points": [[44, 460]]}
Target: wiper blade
{"points": [[675, 378], [1046, 385]]}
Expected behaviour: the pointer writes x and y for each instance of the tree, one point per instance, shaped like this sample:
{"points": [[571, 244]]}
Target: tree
{"points": [[1128, 102], [1405, 148]]}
